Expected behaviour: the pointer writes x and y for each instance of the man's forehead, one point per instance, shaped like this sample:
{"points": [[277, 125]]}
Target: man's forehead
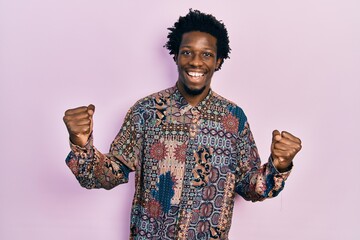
{"points": [[198, 37]]}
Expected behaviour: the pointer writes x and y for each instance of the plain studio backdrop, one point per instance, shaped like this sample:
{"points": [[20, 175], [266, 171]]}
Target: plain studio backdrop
{"points": [[295, 65]]}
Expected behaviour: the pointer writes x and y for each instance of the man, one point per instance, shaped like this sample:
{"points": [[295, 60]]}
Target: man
{"points": [[191, 149]]}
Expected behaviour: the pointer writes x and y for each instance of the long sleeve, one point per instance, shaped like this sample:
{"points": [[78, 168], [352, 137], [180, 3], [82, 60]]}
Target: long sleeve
{"points": [[94, 169], [256, 182]]}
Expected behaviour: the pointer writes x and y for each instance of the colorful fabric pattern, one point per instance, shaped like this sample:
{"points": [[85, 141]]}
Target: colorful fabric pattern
{"points": [[188, 161]]}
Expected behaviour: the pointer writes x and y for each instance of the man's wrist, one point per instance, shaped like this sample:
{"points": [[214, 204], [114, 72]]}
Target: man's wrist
{"points": [[286, 169]]}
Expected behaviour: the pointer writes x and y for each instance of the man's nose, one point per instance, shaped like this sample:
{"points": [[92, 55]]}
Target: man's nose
{"points": [[196, 60]]}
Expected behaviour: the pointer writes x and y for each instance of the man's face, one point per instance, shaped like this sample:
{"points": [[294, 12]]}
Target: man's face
{"points": [[196, 62]]}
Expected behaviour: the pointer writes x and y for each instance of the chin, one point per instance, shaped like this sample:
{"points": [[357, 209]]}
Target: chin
{"points": [[194, 91]]}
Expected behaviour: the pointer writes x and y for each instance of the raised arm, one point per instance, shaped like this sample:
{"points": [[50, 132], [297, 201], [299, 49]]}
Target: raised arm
{"points": [[92, 168], [258, 182]]}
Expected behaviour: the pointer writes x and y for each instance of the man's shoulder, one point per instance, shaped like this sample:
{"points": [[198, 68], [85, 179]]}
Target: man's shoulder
{"points": [[229, 104], [231, 110]]}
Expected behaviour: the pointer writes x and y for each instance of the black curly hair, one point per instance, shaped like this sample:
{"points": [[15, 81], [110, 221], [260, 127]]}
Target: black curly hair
{"points": [[198, 21]]}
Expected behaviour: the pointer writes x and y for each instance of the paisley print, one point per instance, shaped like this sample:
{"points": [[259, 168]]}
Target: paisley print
{"points": [[189, 162]]}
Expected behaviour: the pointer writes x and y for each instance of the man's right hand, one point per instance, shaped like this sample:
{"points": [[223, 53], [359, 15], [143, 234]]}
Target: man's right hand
{"points": [[79, 123]]}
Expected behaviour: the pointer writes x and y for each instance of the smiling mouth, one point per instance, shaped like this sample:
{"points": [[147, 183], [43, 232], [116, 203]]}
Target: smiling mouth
{"points": [[195, 74]]}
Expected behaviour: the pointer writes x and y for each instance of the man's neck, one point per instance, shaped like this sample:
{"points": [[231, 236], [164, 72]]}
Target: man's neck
{"points": [[193, 100]]}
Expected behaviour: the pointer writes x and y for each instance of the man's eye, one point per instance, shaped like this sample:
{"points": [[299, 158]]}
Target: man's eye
{"points": [[207, 54], [185, 52]]}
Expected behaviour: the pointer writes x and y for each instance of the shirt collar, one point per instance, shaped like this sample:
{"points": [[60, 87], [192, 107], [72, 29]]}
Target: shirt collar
{"points": [[184, 106]]}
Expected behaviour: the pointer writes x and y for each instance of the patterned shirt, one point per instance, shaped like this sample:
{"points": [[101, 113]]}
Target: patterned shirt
{"points": [[189, 161]]}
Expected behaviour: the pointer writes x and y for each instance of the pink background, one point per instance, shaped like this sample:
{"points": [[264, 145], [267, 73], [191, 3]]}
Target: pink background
{"points": [[295, 65]]}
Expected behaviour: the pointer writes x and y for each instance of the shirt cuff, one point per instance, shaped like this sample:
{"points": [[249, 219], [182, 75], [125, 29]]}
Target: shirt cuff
{"points": [[276, 171], [85, 151]]}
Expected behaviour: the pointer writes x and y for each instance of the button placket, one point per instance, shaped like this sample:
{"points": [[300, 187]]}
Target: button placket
{"points": [[195, 122]]}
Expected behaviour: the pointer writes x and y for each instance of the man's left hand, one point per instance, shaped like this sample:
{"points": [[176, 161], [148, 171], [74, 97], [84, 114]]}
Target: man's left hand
{"points": [[284, 147]]}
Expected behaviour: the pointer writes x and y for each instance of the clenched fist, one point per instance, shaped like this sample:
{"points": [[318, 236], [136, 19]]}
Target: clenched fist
{"points": [[79, 123], [284, 147]]}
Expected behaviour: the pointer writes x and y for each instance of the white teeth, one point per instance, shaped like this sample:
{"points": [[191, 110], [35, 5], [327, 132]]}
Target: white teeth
{"points": [[195, 74]]}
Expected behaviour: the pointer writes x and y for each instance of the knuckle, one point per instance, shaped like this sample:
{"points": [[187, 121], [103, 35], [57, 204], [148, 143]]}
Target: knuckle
{"points": [[298, 147]]}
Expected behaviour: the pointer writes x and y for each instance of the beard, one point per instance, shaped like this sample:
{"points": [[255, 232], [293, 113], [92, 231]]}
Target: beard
{"points": [[194, 92]]}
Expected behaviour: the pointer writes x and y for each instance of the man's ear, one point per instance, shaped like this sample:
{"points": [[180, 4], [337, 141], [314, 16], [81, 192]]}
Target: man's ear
{"points": [[176, 58], [218, 63]]}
